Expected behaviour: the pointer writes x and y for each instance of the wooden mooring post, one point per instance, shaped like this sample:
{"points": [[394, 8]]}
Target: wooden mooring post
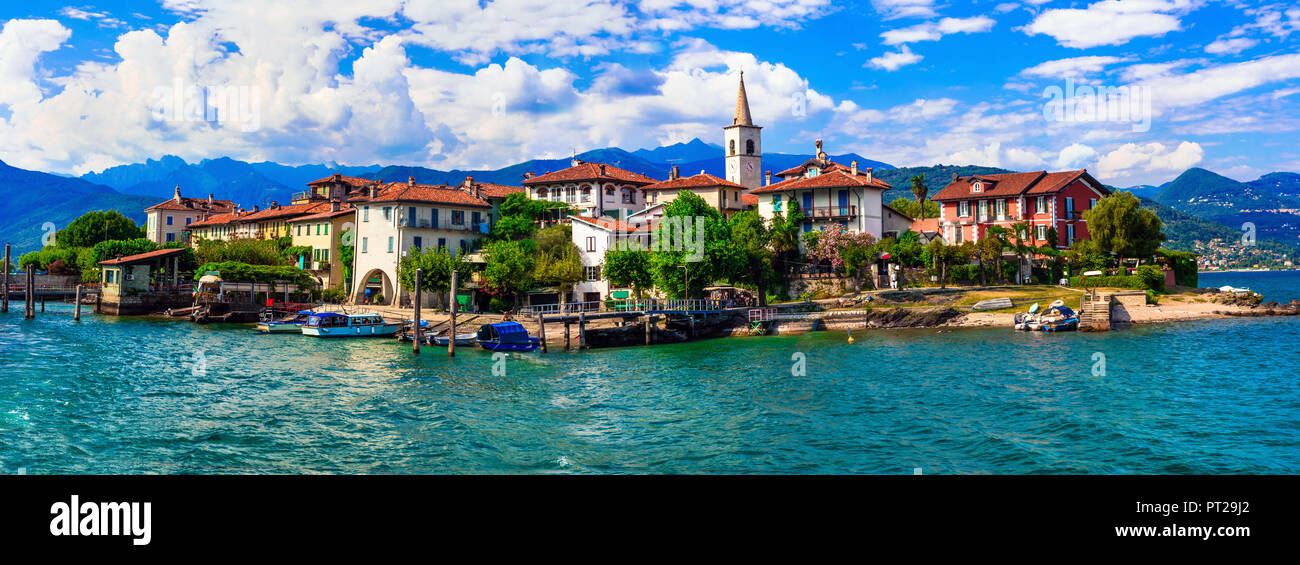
{"points": [[29, 303], [451, 337], [649, 321], [415, 341], [541, 331], [4, 306], [582, 330], [566, 335], [76, 307]]}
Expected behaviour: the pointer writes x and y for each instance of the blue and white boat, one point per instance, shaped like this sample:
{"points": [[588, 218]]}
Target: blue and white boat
{"points": [[331, 324], [288, 324], [506, 336]]}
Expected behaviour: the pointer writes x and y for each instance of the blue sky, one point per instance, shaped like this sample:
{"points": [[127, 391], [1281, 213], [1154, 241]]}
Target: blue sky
{"points": [[488, 83]]}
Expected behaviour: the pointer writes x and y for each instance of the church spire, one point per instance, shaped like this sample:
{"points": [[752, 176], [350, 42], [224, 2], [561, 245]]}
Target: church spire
{"points": [[742, 106]]}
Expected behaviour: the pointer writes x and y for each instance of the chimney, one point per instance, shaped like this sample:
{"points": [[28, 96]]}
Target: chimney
{"points": [[256, 208], [575, 162], [868, 172], [209, 199], [529, 175], [275, 203], [469, 181], [602, 169], [769, 178], [374, 190], [334, 206], [477, 190], [177, 196], [955, 177], [854, 167], [336, 177], [410, 180], [674, 174]]}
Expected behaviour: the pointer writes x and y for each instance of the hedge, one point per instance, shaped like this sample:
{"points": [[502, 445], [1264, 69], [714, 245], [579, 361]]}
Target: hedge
{"points": [[1131, 282]]}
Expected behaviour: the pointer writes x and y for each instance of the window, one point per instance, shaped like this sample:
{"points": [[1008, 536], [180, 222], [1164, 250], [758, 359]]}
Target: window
{"points": [[1092, 203], [591, 243], [365, 245], [390, 244], [412, 216], [188, 220], [464, 246], [476, 218], [388, 213], [963, 209], [1041, 233], [365, 213], [442, 243], [327, 228], [977, 187], [317, 229], [1069, 233], [433, 217], [983, 209], [571, 194], [749, 147], [1069, 205], [169, 220], [586, 193], [732, 145], [419, 242], [457, 217], [813, 171], [1001, 209], [171, 237], [629, 197], [1040, 205], [593, 273], [958, 233], [298, 230], [776, 202]]}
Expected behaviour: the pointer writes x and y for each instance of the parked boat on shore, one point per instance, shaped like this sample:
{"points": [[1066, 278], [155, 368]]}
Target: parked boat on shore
{"points": [[331, 324], [506, 336], [1057, 318]]}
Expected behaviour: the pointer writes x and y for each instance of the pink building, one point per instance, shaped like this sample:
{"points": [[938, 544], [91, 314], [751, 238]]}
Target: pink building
{"points": [[968, 206]]}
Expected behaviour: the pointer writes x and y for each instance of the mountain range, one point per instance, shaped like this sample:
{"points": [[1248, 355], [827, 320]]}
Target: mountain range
{"points": [[1196, 203]]}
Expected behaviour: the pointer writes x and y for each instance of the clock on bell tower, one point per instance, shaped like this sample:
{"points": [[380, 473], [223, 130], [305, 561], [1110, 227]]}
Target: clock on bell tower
{"points": [[742, 143]]}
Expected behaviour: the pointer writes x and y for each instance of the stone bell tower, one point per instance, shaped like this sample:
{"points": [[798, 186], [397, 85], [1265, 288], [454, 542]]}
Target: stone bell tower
{"points": [[742, 144]]}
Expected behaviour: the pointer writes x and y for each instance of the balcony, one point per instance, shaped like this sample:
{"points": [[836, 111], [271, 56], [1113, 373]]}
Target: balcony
{"points": [[831, 212]]}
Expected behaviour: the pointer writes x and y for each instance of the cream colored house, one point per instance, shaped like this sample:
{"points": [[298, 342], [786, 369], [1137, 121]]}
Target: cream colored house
{"points": [[321, 232], [722, 195], [167, 221]]}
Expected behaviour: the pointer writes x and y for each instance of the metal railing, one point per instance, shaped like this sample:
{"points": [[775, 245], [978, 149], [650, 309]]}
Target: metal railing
{"points": [[626, 305], [816, 212]]}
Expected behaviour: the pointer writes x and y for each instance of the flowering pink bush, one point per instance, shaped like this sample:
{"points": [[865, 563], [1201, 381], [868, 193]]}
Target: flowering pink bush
{"points": [[833, 241]]}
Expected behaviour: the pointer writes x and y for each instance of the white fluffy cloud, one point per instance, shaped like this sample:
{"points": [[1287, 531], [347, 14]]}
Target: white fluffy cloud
{"points": [[893, 9], [1110, 22], [1133, 159], [1230, 45], [1073, 67], [1076, 156], [895, 60], [21, 43], [934, 31]]}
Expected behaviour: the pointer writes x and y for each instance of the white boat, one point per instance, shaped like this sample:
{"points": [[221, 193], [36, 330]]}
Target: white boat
{"points": [[288, 324], [330, 324], [461, 339]]}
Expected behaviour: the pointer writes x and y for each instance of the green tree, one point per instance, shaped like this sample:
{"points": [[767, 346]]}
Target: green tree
{"points": [[510, 267], [678, 243], [753, 240], [1120, 225], [928, 209], [920, 190], [347, 252], [436, 266], [96, 226], [630, 268], [560, 266]]}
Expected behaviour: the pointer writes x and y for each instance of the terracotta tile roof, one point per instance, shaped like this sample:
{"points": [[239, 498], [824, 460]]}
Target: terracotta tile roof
{"points": [[702, 180], [344, 210], [825, 165], [749, 199], [435, 194], [354, 181], [219, 220], [141, 258], [612, 224], [194, 205], [837, 178], [1012, 184], [490, 190], [276, 212], [591, 172]]}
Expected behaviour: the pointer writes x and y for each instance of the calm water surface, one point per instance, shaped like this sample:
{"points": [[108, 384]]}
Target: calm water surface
{"points": [[134, 395]]}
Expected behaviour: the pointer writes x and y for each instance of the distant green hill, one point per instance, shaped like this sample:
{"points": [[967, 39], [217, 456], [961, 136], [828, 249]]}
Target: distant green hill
{"points": [[33, 198]]}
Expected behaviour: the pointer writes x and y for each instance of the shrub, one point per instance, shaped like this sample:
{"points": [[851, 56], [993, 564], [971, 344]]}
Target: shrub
{"points": [[499, 305], [1134, 283], [1152, 277]]}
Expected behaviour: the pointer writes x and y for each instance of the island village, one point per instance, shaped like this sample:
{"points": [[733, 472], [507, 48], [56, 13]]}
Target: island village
{"points": [[621, 257]]}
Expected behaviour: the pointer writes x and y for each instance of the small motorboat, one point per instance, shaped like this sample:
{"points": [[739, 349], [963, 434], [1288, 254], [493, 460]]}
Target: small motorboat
{"points": [[1057, 318], [331, 324], [506, 336], [466, 339], [288, 324]]}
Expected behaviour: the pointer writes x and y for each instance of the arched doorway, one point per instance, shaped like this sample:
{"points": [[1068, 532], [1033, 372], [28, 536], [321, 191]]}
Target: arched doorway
{"points": [[376, 284]]}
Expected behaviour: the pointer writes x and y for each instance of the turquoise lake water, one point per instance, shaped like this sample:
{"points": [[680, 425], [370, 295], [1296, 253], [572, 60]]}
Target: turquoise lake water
{"points": [[134, 395]]}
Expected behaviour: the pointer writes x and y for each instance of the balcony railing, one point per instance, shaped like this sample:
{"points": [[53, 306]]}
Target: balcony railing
{"points": [[832, 212]]}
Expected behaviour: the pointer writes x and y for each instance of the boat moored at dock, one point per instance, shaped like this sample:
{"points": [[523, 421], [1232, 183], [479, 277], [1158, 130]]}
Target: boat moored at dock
{"points": [[332, 324], [506, 336], [288, 324]]}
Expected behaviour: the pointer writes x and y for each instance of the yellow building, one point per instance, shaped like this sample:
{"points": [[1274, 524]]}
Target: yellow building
{"points": [[722, 195], [321, 232]]}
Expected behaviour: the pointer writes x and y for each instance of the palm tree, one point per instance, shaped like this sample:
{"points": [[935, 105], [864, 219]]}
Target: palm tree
{"points": [[919, 190]]}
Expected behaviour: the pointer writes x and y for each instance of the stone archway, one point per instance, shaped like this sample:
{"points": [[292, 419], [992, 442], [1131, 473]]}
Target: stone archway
{"points": [[379, 283]]}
